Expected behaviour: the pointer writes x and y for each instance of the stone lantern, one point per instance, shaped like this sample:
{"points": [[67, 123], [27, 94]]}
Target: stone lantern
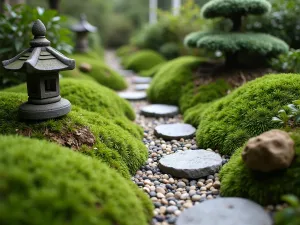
{"points": [[82, 29], [42, 64]]}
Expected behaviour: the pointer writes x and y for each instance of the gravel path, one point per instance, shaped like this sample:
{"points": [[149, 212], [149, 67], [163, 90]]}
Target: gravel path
{"points": [[169, 195]]}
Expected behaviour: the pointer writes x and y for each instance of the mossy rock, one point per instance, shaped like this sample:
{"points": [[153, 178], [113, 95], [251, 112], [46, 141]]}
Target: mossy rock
{"points": [[167, 84], [99, 72], [84, 131], [151, 72], [143, 60], [264, 188], [247, 112], [204, 93], [43, 183], [90, 96]]}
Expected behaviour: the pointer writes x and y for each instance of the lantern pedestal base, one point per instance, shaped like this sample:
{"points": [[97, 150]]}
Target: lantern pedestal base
{"points": [[29, 111]]}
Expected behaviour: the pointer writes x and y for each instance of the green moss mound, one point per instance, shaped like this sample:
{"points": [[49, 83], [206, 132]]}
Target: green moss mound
{"points": [[84, 131], [246, 112], [204, 93], [43, 183], [258, 43], [143, 60], [90, 96], [194, 114], [231, 8], [166, 87], [151, 72], [100, 72], [264, 188], [126, 50]]}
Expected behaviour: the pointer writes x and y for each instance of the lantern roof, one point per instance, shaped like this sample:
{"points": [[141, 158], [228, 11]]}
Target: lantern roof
{"points": [[83, 25], [40, 57]]}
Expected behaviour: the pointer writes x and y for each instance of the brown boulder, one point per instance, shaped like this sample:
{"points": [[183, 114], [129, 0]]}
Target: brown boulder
{"points": [[85, 67], [272, 150]]}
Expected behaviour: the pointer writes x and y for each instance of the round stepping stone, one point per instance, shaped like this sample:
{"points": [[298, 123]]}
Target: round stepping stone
{"points": [[225, 211], [125, 73], [133, 96], [141, 80], [191, 164], [175, 131], [159, 110], [141, 87]]}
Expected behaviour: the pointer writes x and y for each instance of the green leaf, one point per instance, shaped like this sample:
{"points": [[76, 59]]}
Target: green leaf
{"points": [[291, 200]]}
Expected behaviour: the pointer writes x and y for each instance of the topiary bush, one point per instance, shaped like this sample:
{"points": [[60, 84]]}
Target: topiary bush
{"points": [[81, 130], [126, 50], [143, 60], [100, 71], [166, 87], [90, 96], [264, 188], [43, 183], [246, 112], [204, 93], [235, 43], [151, 72]]}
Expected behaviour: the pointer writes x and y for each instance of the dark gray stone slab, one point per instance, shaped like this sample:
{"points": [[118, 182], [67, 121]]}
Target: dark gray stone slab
{"points": [[225, 211], [191, 164], [141, 87], [133, 96], [159, 110], [141, 80], [175, 131]]}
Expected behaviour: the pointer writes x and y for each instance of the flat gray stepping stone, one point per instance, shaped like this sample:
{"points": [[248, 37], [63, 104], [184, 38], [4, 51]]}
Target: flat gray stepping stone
{"points": [[126, 73], [133, 96], [141, 80], [191, 164], [225, 211], [159, 110], [141, 87], [175, 131]]}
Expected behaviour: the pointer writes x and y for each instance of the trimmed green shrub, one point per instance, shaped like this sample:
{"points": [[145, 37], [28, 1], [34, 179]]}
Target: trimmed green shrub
{"points": [[90, 96], [151, 72], [291, 214], [43, 183], [235, 8], [246, 112], [170, 50], [100, 71], [264, 188], [87, 132], [143, 60], [262, 44], [204, 93], [235, 43], [168, 82]]}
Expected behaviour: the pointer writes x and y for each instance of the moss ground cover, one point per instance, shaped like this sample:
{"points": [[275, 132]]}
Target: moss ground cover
{"points": [[228, 122], [43, 183], [151, 72], [84, 131], [100, 72], [143, 60], [264, 188], [171, 78]]}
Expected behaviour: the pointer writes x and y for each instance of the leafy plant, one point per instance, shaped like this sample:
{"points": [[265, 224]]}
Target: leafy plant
{"points": [[15, 35], [289, 116], [290, 215], [289, 62]]}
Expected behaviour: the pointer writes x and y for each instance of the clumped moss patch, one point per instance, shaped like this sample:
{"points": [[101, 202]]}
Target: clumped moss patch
{"points": [[143, 60], [43, 183], [247, 112], [113, 144]]}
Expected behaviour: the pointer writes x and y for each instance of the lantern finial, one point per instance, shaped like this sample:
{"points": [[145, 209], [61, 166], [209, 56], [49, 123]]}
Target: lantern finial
{"points": [[38, 29]]}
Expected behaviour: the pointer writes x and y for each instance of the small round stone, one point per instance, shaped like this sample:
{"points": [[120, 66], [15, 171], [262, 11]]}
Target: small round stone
{"points": [[159, 110], [175, 131]]}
